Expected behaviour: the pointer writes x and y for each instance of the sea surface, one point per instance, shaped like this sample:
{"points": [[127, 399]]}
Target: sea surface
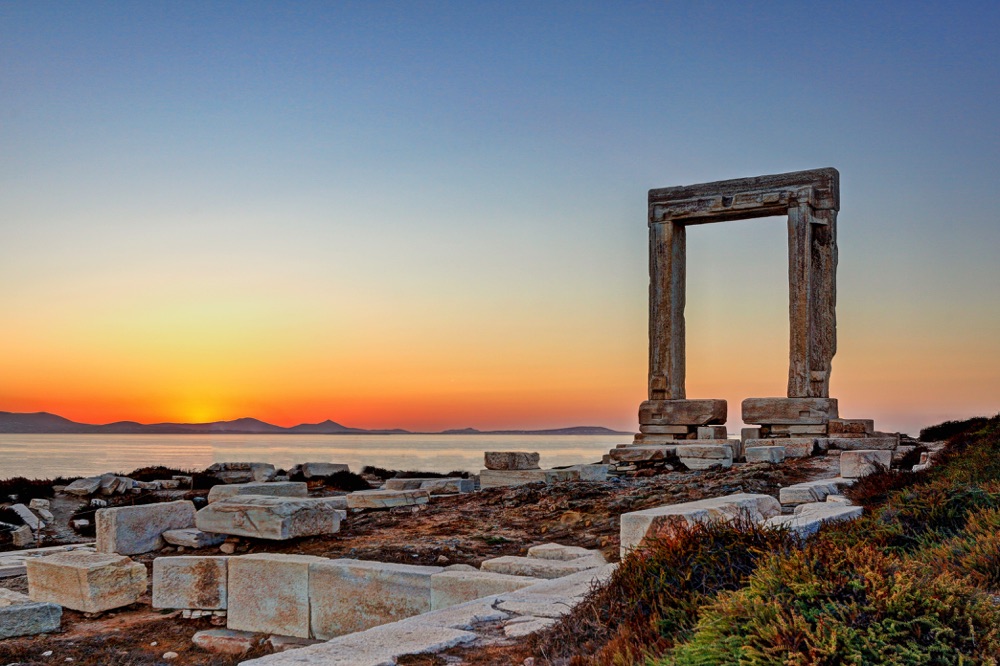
{"points": [[50, 456]]}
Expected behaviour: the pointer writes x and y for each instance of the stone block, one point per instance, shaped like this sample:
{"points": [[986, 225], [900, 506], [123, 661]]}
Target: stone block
{"points": [[86, 582], [577, 473], [192, 537], [855, 464], [556, 551], [683, 412], [862, 443], [225, 641], [497, 478], [750, 433], [509, 460], [269, 593], [644, 453], [20, 616], [129, 530], [23, 537], [353, 595], [815, 430], [311, 470], [276, 518], [851, 426], [770, 454], [789, 411], [712, 432], [30, 519], [434, 486], [242, 472], [795, 447], [386, 499], [813, 516], [451, 588], [38, 503], [637, 525], [812, 491], [706, 454], [273, 488], [539, 568], [83, 487], [666, 429], [194, 582]]}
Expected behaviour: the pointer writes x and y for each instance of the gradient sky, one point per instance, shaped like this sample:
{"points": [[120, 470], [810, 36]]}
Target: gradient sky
{"points": [[432, 215]]}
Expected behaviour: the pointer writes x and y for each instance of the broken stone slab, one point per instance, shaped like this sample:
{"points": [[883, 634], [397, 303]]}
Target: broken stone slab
{"points": [[855, 443], [191, 582], [380, 646], [225, 641], [538, 568], [855, 464], [851, 426], [311, 470], [347, 595], [510, 460], [38, 503], [577, 473], [795, 447], [241, 472], [557, 551], [808, 518], [434, 486], [285, 643], [130, 530], [452, 588], [278, 518], [683, 412], [498, 478], [637, 525], [706, 454], [712, 432], [30, 519], [273, 488], [83, 487], [20, 616], [192, 537], [269, 593], [812, 491], [770, 454], [554, 598], [525, 625], [86, 582], [789, 411], [386, 499], [630, 454], [23, 536]]}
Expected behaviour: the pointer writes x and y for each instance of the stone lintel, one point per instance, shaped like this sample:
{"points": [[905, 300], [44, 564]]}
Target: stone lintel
{"points": [[789, 411], [742, 198], [683, 412]]}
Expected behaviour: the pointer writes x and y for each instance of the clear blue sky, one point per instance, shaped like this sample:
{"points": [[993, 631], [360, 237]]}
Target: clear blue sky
{"points": [[420, 214]]}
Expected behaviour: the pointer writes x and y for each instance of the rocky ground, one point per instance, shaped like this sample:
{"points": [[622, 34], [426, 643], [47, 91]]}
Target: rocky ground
{"points": [[460, 529]]}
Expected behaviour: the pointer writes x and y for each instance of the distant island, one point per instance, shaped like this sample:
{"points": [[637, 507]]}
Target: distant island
{"points": [[44, 423]]}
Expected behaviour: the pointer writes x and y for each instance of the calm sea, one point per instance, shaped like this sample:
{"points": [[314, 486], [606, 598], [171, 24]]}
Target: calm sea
{"points": [[49, 456]]}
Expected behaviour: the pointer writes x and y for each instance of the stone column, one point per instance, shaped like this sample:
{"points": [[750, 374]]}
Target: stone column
{"points": [[667, 289]]}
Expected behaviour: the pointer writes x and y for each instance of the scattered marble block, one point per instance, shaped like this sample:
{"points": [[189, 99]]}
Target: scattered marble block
{"points": [[38, 503], [553, 598], [795, 447], [386, 499], [23, 537], [278, 518], [353, 595], [451, 588], [556, 551], [851, 426], [311, 470], [83, 487], [810, 430], [242, 472], [86, 582], [808, 518], [855, 464], [712, 432], [771, 454], [789, 411], [31, 521], [539, 568], [862, 443], [269, 593], [637, 525], [706, 454], [129, 530], [225, 641], [274, 489], [812, 491], [192, 582], [577, 473], [192, 537], [511, 460], [434, 486], [631, 454], [683, 412], [20, 616]]}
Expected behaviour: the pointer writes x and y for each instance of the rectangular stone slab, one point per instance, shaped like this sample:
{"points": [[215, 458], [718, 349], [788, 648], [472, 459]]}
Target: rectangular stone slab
{"points": [[269, 593], [274, 488], [450, 588], [795, 447], [20, 616], [644, 453], [855, 464], [849, 443], [86, 582], [129, 530], [386, 499], [510, 460], [814, 516], [353, 595], [314, 469], [276, 518], [683, 412], [540, 568], [434, 486], [789, 411], [495, 478], [771, 454], [192, 537], [195, 582]]}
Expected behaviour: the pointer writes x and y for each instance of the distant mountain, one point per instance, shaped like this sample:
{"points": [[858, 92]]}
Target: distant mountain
{"points": [[45, 423]]}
